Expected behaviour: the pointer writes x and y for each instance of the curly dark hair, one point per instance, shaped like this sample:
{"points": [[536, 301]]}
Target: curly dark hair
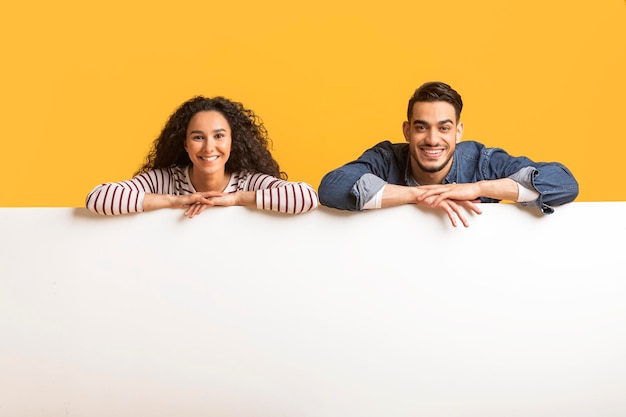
{"points": [[250, 142], [436, 91]]}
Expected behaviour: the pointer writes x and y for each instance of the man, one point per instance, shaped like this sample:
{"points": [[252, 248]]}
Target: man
{"points": [[435, 169]]}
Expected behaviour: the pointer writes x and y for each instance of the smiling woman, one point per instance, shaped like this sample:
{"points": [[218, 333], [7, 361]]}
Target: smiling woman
{"points": [[211, 152]]}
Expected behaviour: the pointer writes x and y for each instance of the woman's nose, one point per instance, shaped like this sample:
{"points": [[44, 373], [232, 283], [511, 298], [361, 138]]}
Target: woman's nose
{"points": [[209, 144]]}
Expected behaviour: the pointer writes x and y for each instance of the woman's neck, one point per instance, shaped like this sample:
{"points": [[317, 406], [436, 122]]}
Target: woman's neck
{"points": [[208, 182]]}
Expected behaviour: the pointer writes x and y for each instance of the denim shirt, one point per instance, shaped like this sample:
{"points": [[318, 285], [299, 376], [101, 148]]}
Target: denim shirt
{"points": [[350, 186]]}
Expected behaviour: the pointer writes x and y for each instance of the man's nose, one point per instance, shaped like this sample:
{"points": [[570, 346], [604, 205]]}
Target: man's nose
{"points": [[431, 137]]}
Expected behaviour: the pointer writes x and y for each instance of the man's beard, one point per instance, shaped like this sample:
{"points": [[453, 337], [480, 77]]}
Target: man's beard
{"points": [[432, 170]]}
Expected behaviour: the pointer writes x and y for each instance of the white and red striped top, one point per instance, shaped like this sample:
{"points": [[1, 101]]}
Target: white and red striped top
{"points": [[271, 193]]}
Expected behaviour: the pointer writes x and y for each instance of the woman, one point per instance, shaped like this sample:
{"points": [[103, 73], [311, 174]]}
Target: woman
{"points": [[211, 152]]}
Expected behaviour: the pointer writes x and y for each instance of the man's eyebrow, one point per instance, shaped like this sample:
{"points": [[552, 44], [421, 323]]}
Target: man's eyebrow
{"points": [[424, 122]]}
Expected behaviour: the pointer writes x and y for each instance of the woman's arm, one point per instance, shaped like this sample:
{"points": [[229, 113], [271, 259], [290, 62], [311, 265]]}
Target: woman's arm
{"points": [[275, 194], [148, 191]]}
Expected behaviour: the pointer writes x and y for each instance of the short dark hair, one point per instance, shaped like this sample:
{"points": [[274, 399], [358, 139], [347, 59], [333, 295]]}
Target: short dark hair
{"points": [[436, 91]]}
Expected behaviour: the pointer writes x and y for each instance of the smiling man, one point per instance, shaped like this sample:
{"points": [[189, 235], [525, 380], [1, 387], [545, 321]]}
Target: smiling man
{"points": [[435, 169]]}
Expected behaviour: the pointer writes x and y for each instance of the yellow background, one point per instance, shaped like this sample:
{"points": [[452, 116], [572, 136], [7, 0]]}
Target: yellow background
{"points": [[86, 87]]}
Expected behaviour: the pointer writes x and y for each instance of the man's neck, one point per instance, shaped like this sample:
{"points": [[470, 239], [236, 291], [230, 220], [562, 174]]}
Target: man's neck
{"points": [[427, 178]]}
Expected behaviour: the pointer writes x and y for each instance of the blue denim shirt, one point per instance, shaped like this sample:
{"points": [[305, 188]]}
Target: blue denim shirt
{"points": [[349, 187]]}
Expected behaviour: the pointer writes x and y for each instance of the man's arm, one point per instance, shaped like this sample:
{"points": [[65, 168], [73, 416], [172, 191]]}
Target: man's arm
{"points": [[395, 195], [501, 189], [336, 190], [352, 185], [553, 181], [555, 184]]}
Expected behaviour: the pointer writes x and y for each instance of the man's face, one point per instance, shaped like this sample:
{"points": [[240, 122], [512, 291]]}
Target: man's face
{"points": [[432, 133]]}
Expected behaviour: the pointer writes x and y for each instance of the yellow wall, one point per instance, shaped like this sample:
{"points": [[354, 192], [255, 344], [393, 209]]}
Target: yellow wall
{"points": [[85, 87]]}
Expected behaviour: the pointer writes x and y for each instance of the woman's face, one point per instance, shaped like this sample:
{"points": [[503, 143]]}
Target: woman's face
{"points": [[208, 142]]}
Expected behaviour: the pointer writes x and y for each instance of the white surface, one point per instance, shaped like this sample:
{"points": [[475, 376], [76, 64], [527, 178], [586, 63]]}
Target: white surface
{"points": [[244, 313]]}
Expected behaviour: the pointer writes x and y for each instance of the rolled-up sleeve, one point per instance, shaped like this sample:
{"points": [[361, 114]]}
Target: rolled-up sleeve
{"points": [[553, 181], [350, 186], [366, 188], [556, 186]]}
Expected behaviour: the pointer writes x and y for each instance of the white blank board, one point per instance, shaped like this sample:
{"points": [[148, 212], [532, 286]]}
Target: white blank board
{"points": [[245, 313]]}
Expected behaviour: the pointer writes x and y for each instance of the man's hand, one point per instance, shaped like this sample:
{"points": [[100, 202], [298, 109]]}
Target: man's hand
{"points": [[501, 189], [436, 193], [453, 208], [429, 196]]}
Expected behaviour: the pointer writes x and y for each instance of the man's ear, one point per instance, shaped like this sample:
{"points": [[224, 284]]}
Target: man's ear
{"points": [[406, 130], [459, 132]]}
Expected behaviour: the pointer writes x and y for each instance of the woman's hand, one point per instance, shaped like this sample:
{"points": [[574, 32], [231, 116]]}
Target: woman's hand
{"points": [[211, 198]]}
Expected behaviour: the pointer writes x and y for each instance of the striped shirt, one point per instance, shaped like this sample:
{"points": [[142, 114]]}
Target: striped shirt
{"points": [[271, 193]]}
